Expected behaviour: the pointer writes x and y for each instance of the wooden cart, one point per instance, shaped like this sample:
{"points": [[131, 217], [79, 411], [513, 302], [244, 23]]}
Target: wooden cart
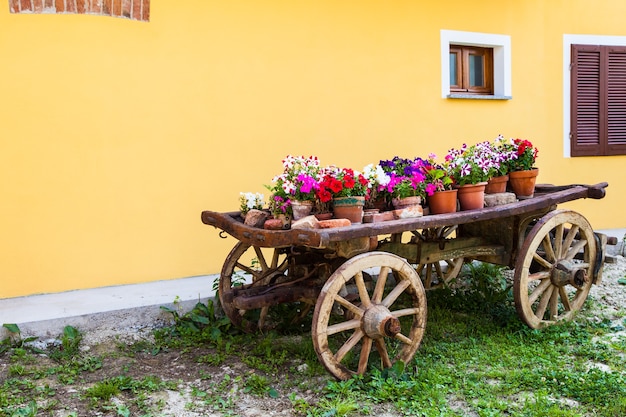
{"points": [[367, 281]]}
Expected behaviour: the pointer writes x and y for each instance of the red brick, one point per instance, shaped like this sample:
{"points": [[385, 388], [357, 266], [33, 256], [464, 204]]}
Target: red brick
{"points": [[14, 6], [81, 6], [136, 12], [126, 7], [26, 5], [107, 7], [117, 7], [60, 6], [38, 6], [145, 10], [49, 4], [95, 6], [70, 6]]}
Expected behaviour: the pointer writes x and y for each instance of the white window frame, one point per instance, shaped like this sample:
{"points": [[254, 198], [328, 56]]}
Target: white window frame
{"points": [[568, 41], [501, 45]]}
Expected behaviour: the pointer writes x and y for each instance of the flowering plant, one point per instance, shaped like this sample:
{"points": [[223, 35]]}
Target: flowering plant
{"points": [[377, 179], [437, 176], [341, 182], [406, 177], [298, 179], [526, 155], [504, 152], [249, 201], [471, 165], [280, 205]]}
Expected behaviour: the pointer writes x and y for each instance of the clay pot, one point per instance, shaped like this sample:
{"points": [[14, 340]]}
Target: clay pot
{"points": [[406, 202], [497, 185], [523, 183], [472, 196], [442, 202], [301, 209], [350, 208]]}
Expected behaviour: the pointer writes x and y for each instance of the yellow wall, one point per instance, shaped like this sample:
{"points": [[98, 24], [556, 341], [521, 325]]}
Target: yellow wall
{"points": [[116, 134]]}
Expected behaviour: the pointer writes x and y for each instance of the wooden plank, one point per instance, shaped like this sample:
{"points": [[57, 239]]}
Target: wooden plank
{"points": [[544, 199]]}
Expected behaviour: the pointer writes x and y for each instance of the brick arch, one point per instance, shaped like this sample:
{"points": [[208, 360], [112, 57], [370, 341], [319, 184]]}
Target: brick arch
{"points": [[128, 9]]}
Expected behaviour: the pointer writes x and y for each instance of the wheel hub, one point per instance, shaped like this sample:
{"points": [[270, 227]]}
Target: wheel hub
{"points": [[567, 272], [378, 322]]}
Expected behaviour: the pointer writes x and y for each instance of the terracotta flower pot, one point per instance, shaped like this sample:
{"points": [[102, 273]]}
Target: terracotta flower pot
{"points": [[301, 209], [472, 196], [350, 208], [406, 202], [443, 202], [523, 183], [497, 185]]}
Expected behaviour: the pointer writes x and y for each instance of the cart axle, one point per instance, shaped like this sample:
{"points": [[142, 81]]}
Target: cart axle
{"points": [[378, 322], [568, 272]]}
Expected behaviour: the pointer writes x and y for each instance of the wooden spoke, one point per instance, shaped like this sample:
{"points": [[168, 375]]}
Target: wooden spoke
{"points": [[547, 246], [575, 249], [365, 355], [369, 319], [395, 293], [248, 270], [542, 261], [538, 276], [363, 294], [565, 299], [380, 285], [567, 243], [554, 304], [343, 326], [543, 303], [560, 235], [539, 290], [384, 355], [558, 241], [357, 311], [261, 258], [347, 346], [406, 312]]}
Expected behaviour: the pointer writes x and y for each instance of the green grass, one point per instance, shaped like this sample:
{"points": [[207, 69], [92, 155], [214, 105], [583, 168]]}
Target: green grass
{"points": [[476, 359]]}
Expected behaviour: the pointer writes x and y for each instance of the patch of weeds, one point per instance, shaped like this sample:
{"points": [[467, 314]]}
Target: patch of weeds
{"points": [[200, 326], [259, 385], [70, 344], [102, 392]]}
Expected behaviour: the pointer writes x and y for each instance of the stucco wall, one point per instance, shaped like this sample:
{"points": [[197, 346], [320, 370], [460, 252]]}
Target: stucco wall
{"points": [[116, 133]]}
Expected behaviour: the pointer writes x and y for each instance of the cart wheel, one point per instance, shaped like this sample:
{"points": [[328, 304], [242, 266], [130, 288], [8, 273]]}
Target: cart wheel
{"points": [[438, 274], [349, 316], [554, 271], [246, 267]]}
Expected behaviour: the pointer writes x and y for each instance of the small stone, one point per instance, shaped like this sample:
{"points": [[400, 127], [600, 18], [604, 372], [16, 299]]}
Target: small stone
{"points": [[409, 212], [499, 199], [308, 222], [255, 218], [328, 224], [275, 224]]}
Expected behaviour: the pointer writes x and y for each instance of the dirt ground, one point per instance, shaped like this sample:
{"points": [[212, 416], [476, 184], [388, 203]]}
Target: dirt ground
{"points": [[186, 398]]}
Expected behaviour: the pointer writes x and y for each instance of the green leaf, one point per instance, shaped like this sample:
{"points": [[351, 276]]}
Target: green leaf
{"points": [[11, 327], [622, 281], [273, 393]]}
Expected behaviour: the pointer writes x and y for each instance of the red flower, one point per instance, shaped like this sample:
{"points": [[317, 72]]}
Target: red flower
{"points": [[335, 185]]}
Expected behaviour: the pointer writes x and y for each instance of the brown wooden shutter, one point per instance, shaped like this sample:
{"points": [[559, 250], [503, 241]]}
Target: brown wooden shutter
{"points": [[616, 101], [586, 103], [598, 94]]}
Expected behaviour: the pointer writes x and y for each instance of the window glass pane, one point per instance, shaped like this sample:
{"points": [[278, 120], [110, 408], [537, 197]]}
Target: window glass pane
{"points": [[453, 77], [476, 71]]}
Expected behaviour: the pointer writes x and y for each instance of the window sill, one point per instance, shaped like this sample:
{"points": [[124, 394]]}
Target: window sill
{"points": [[479, 97]]}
